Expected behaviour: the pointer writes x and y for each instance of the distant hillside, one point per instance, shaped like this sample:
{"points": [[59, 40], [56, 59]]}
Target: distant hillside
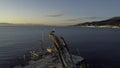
{"points": [[5, 24], [10, 24], [115, 21]]}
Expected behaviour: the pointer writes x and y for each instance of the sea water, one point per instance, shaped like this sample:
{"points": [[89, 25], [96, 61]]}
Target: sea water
{"points": [[96, 45]]}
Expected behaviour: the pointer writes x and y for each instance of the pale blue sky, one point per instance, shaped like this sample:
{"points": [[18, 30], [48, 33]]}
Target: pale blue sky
{"points": [[57, 12]]}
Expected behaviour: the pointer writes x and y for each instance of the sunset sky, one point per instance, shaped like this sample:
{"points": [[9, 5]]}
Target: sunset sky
{"points": [[57, 12]]}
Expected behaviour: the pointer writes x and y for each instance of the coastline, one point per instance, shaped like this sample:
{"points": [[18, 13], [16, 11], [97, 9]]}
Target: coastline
{"points": [[114, 27]]}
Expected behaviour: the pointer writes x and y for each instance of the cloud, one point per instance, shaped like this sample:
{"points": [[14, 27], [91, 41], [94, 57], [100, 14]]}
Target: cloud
{"points": [[82, 19], [55, 15], [92, 17], [72, 20]]}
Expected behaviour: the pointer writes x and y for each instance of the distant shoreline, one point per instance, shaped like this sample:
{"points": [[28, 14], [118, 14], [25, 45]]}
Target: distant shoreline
{"points": [[114, 27]]}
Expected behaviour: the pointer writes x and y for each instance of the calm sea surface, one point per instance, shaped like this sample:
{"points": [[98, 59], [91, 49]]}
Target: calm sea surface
{"points": [[96, 45]]}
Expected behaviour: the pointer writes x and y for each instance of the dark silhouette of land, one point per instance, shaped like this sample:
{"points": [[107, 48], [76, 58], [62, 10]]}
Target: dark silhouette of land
{"points": [[115, 21]]}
